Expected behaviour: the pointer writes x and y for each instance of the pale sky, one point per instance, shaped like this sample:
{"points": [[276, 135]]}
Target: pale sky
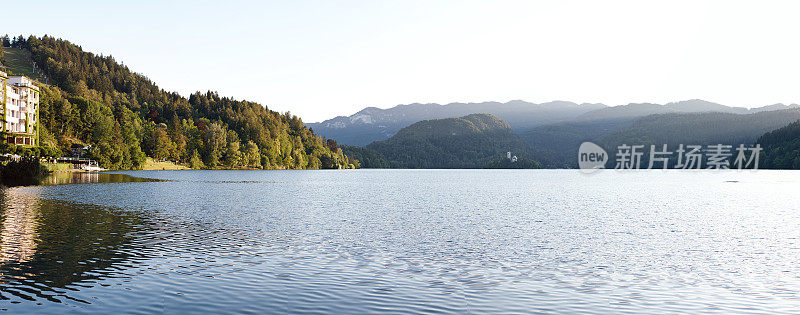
{"points": [[320, 59]]}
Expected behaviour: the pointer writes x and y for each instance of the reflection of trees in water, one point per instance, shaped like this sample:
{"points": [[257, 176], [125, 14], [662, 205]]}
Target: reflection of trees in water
{"points": [[49, 245], [90, 177], [71, 178]]}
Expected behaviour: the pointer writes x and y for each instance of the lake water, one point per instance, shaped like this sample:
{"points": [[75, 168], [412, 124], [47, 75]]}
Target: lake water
{"points": [[404, 241]]}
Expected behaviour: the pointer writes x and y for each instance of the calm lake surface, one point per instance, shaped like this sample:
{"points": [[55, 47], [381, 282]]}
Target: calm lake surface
{"points": [[404, 241]]}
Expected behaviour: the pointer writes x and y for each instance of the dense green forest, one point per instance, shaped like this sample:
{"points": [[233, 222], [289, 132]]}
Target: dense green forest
{"points": [[556, 145], [92, 99], [700, 128], [697, 129], [467, 142], [781, 148], [366, 158]]}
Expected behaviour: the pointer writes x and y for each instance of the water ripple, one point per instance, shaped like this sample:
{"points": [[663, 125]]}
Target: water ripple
{"points": [[404, 242]]}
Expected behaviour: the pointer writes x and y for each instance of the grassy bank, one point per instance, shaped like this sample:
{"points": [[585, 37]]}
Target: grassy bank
{"points": [[58, 167], [151, 164]]}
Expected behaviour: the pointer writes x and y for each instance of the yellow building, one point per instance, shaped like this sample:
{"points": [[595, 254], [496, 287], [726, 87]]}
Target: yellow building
{"points": [[20, 105]]}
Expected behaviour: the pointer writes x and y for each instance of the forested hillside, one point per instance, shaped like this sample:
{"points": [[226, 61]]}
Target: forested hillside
{"points": [[700, 128], [366, 158], [95, 100], [781, 148], [556, 145], [467, 142]]}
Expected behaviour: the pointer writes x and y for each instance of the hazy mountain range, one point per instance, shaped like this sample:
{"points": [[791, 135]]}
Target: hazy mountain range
{"points": [[552, 132], [375, 124]]}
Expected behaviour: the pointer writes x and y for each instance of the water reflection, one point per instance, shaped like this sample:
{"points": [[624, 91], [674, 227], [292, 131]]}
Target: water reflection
{"points": [[90, 177], [48, 246], [18, 234]]}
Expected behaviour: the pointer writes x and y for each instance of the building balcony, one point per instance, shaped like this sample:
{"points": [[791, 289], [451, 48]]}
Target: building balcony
{"points": [[25, 84], [22, 133]]}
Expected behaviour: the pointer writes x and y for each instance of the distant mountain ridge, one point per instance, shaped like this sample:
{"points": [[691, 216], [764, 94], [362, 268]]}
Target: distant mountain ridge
{"points": [[635, 110], [375, 124]]}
